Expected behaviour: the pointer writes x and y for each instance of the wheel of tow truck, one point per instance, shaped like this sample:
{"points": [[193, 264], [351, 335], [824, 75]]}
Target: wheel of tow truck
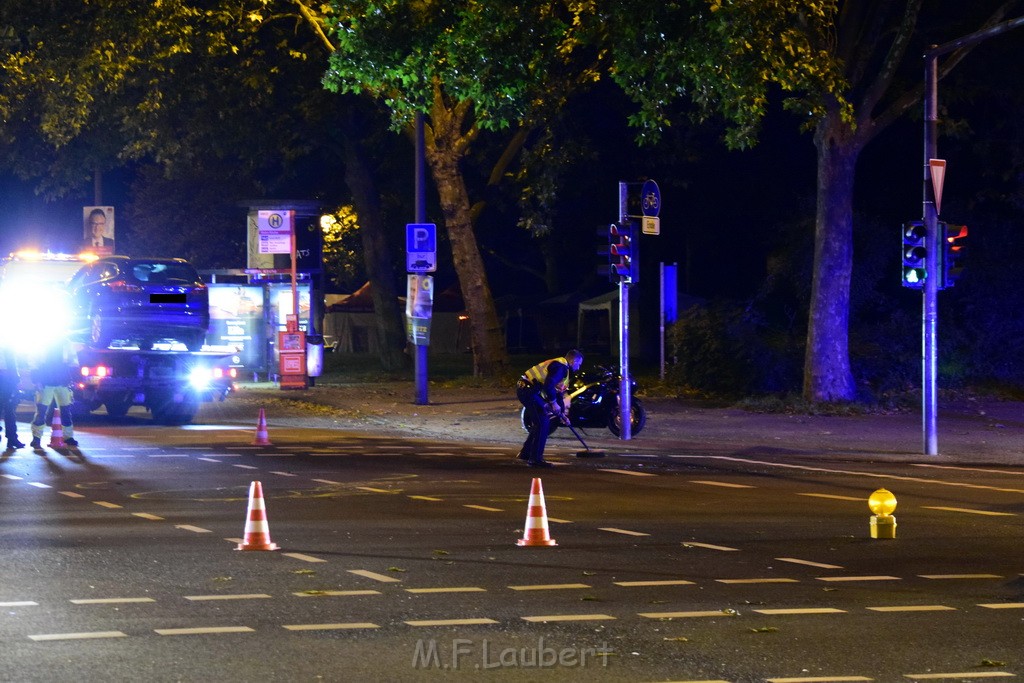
{"points": [[638, 418], [117, 407], [196, 341], [99, 338]]}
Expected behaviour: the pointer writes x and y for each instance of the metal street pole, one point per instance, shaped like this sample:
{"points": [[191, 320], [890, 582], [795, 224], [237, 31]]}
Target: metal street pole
{"points": [[625, 398], [933, 241], [421, 217]]}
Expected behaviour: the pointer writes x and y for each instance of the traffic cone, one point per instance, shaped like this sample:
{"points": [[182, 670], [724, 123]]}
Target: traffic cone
{"points": [[56, 430], [535, 532], [257, 531], [262, 438]]}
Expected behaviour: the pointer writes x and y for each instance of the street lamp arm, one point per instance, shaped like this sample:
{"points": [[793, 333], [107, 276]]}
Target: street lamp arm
{"points": [[972, 39]]}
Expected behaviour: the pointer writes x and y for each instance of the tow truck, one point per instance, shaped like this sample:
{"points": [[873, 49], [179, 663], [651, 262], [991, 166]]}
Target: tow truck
{"points": [[168, 380]]}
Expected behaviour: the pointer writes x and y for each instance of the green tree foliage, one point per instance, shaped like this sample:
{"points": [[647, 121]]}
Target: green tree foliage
{"points": [[467, 67]]}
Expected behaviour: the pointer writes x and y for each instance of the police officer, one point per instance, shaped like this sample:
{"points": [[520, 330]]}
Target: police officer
{"points": [[541, 390], [53, 377], [9, 380]]}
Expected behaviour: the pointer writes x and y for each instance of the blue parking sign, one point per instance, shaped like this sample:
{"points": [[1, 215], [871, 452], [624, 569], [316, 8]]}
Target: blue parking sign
{"points": [[421, 247]]}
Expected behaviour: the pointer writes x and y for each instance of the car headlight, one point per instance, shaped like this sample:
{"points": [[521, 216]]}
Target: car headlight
{"points": [[199, 378]]}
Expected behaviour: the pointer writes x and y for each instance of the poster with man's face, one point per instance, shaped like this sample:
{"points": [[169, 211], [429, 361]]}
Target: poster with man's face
{"points": [[98, 232]]}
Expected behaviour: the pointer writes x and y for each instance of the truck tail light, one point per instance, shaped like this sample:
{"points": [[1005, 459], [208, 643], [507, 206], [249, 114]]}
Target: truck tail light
{"points": [[99, 371]]}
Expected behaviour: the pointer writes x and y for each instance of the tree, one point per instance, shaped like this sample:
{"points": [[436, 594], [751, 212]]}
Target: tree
{"points": [[467, 68], [848, 66]]}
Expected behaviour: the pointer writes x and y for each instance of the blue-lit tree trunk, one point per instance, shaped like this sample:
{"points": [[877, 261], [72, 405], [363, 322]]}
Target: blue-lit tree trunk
{"points": [[827, 374]]}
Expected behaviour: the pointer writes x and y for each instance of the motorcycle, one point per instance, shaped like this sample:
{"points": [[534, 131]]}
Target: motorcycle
{"points": [[593, 399]]}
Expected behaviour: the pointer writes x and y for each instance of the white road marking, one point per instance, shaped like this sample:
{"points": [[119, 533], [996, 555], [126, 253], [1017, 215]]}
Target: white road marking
{"points": [[375, 490], [452, 622], [859, 578], [820, 679], [328, 481], [194, 529], [304, 558], [236, 596], [329, 627], [913, 608], [963, 674], [246, 467], [628, 472], [630, 584], [22, 603], [12, 477], [1003, 605], [569, 617], [457, 589], [484, 508], [763, 580], [723, 484], [832, 496], [686, 615], [966, 469], [71, 494], [105, 504], [78, 636], [969, 511], [109, 601], [960, 576], [549, 586], [709, 546], [622, 531], [560, 521], [284, 474], [819, 565], [203, 630], [39, 485], [209, 460], [801, 610], [374, 575], [429, 498], [319, 594]]}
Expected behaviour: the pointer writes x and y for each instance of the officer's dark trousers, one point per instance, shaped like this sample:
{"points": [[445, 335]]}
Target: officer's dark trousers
{"points": [[533, 447]]}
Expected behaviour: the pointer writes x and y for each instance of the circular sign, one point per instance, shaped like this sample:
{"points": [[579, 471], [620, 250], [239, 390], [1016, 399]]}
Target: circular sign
{"points": [[650, 198]]}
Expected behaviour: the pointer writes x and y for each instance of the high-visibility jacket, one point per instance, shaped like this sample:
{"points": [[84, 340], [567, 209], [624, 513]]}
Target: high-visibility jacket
{"points": [[541, 375]]}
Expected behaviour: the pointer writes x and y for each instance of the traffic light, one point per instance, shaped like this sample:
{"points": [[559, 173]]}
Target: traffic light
{"points": [[953, 250], [623, 253], [914, 255]]}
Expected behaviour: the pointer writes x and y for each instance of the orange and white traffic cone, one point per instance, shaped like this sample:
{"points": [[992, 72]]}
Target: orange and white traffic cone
{"points": [[56, 430], [262, 438], [535, 532], [257, 531]]}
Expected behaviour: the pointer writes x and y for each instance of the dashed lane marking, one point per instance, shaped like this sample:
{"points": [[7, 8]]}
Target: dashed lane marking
{"points": [[484, 508], [452, 622], [819, 565], [105, 504], [209, 460], [568, 617], [960, 675], [284, 474], [858, 578], [687, 615], [194, 529], [12, 477], [800, 610], [549, 586], [168, 455], [371, 489], [303, 557], [832, 496], [329, 627], [39, 485], [78, 636], [629, 472], [627, 532], [913, 608], [960, 576], [328, 481], [819, 679], [966, 469], [969, 511], [709, 546], [756, 580], [333, 594], [20, 603], [109, 601], [455, 589], [246, 467], [428, 498], [1003, 605], [374, 575], [560, 521], [202, 630], [71, 494], [236, 596], [723, 484], [632, 584], [275, 455]]}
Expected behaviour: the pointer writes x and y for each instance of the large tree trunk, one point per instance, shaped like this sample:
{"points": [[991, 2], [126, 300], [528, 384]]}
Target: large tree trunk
{"points": [[827, 375], [376, 254], [443, 150]]}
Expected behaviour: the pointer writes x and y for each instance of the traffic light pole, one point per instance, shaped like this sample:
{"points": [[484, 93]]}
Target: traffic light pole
{"points": [[930, 313]]}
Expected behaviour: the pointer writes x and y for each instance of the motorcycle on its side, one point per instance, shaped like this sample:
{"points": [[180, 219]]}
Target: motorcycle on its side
{"points": [[594, 402]]}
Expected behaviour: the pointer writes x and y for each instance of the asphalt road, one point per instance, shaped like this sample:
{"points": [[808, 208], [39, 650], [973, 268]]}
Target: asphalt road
{"points": [[399, 561]]}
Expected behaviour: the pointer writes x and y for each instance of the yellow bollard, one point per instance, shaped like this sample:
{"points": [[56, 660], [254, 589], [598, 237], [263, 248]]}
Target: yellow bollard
{"points": [[883, 504]]}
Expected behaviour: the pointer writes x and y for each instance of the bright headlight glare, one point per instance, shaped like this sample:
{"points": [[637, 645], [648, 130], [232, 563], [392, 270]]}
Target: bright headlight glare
{"points": [[199, 378]]}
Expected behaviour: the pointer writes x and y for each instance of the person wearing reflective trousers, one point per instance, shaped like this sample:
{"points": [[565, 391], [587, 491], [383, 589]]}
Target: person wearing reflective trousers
{"points": [[9, 379], [53, 377], [541, 390]]}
